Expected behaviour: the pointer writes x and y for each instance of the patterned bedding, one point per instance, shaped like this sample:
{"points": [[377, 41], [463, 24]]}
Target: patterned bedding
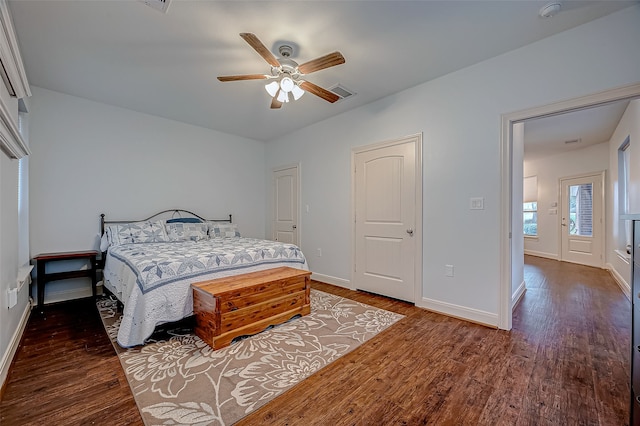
{"points": [[153, 279]]}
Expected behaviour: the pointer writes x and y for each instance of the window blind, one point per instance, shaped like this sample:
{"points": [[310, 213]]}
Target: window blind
{"points": [[530, 192]]}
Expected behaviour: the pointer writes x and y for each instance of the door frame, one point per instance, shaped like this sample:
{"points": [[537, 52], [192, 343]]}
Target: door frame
{"points": [[507, 163], [417, 139], [273, 199], [603, 214]]}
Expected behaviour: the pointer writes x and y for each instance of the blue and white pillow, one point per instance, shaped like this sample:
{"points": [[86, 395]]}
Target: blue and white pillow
{"points": [[225, 230], [136, 233], [186, 231]]}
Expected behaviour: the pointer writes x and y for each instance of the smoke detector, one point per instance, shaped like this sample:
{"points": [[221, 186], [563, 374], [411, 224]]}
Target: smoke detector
{"points": [[550, 9], [161, 5]]}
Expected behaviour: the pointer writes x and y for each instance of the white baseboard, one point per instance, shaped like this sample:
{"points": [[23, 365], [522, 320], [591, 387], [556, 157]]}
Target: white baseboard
{"points": [[517, 295], [340, 282], [7, 358], [461, 312], [552, 256], [624, 286]]}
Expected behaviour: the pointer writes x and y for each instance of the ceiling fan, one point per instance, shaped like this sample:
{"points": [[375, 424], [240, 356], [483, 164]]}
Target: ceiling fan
{"points": [[288, 78]]}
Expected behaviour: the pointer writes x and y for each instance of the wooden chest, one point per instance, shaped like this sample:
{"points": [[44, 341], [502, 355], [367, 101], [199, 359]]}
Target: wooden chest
{"points": [[246, 304]]}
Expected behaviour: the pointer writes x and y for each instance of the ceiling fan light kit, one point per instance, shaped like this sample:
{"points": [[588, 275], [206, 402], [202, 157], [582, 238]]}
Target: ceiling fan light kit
{"points": [[286, 75]]}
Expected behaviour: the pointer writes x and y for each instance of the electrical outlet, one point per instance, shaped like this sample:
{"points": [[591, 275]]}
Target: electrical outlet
{"points": [[448, 270], [319, 252], [476, 203], [12, 296]]}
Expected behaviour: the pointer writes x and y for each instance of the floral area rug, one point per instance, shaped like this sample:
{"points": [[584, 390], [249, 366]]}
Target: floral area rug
{"points": [[177, 379]]}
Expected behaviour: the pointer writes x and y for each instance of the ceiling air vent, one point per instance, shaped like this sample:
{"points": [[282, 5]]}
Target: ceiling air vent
{"points": [[342, 91], [573, 141], [161, 5]]}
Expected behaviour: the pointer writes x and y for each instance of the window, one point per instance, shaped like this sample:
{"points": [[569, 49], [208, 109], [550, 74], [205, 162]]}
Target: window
{"points": [[581, 210], [530, 206]]}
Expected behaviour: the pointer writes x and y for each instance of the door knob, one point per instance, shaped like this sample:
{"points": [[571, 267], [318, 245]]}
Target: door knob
{"points": [[295, 226], [410, 232]]}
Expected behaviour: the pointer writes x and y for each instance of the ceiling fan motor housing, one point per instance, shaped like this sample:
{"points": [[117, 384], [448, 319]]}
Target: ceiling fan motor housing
{"points": [[288, 66]]}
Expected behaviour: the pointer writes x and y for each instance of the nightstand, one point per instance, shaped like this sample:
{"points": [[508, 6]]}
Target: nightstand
{"points": [[44, 276]]}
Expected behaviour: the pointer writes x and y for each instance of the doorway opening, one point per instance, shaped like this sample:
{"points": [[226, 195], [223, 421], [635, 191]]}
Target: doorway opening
{"points": [[512, 175]]}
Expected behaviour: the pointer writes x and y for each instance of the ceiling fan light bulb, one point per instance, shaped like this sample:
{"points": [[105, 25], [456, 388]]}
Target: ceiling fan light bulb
{"points": [[272, 88], [297, 92], [286, 84]]}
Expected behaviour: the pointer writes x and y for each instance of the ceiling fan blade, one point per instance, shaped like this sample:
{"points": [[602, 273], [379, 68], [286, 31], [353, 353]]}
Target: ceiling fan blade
{"points": [[326, 61], [242, 77], [319, 91], [275, 103], [260, 48]]}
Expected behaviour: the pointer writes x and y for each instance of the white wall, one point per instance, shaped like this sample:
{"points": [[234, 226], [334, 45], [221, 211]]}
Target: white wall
{"points": [[90, 158], [459, 115], [549, 170], [629, 126]]}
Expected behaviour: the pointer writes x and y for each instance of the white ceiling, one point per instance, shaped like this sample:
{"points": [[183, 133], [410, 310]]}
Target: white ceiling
{"points": [[548, 136], [127, 54]]}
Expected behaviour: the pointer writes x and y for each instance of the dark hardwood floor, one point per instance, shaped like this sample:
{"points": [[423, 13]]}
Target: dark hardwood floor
{"points": [[566, 362]]}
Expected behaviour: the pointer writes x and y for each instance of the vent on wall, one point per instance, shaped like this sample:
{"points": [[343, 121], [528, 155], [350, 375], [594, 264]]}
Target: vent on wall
{"points": [[161, 5], [342, 91]]}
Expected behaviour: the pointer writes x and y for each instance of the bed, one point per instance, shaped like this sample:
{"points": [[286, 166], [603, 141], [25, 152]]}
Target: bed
{"points": [[150, 264]]}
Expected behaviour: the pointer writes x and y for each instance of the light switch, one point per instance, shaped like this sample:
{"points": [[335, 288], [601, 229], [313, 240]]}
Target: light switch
{"points": [[448, 270]]}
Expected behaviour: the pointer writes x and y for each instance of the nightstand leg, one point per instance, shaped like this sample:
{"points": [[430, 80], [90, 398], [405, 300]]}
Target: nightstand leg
{"points": [[94, 276], [41, 281]]}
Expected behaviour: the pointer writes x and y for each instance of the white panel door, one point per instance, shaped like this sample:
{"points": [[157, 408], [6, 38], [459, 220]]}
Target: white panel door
{"points": [[582, 220], [285, 227], [385, 220]]}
